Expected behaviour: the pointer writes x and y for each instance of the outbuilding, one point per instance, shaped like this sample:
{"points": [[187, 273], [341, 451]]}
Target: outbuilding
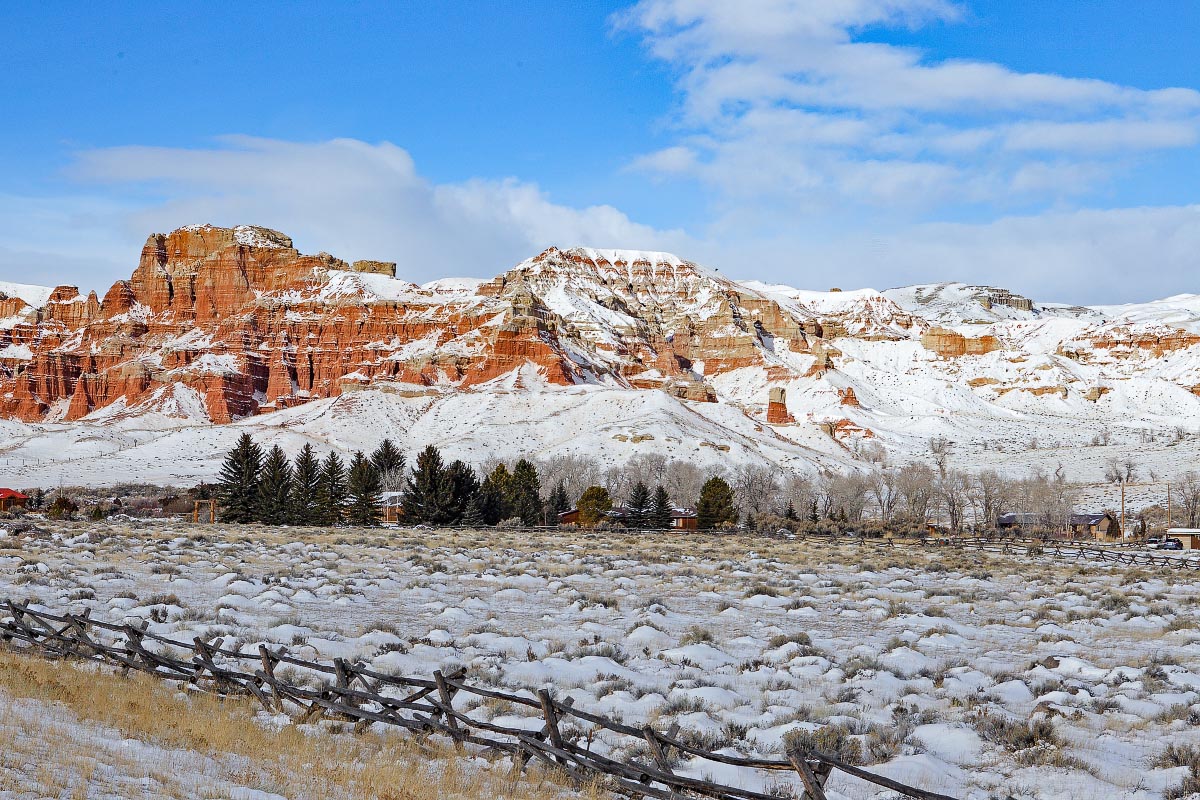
{"points": [[1188, 537]]}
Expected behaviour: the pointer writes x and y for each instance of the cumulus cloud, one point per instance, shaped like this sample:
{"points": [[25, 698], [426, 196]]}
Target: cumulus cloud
{"points": [[353, 199], [780, 97]]}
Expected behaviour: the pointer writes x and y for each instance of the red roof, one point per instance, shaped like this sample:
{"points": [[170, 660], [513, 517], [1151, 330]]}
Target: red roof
{"points": [[6, 494]]}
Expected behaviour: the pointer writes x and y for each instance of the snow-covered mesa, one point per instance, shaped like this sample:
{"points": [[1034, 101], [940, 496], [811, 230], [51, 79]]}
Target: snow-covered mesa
{"points": [[1012, 383]]}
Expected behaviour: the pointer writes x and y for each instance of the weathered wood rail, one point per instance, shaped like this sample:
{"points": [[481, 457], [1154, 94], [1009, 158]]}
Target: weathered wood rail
{"points": [[1064, 549], [628, 760]]}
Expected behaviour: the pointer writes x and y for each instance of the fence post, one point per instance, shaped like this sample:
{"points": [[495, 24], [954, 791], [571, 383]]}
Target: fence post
{"points": [[813, 789], [551, 715], [268, 663], [446, 694]]}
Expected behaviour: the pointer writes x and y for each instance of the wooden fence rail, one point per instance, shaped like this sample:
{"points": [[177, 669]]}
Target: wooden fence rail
{"points": [[633, 761]]}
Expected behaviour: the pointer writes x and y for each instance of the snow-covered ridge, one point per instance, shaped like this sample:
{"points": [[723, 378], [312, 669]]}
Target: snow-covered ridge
{"points": [[36, 296]]}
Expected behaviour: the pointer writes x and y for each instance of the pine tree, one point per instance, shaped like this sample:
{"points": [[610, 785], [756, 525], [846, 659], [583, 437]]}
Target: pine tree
{"points": [[331, 491], [306, 482], [557, 503], [524, 494], [493, 494], [275, 489], [661, 510], [473, 515], [463, 486], [362, 492], [790, 511], [716, 504], [389, 463], [812, 512], [594, 505], [428, 496], [638, 510], [237, 488]]}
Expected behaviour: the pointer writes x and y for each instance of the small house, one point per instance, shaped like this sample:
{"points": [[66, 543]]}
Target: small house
{"points": [[1103, 527], [11, 498], [391, 507], [569, 517], [1019, 520]]}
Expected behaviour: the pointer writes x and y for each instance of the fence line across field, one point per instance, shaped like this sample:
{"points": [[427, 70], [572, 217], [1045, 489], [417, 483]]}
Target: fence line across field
{"points": [[351, 692]]}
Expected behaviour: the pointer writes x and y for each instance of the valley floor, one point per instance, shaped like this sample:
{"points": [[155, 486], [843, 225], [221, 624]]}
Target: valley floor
{"points": [[974, 675]]}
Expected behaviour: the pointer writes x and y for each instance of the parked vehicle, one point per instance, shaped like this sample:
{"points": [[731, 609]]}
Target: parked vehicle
{"points": [[1170, 544]]}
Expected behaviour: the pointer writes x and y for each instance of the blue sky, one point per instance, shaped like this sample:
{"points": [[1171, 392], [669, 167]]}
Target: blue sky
{"points": [[1050, 147]]}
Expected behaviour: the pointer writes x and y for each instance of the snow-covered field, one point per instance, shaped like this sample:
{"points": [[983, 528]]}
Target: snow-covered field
{"points": [[974, 675]]}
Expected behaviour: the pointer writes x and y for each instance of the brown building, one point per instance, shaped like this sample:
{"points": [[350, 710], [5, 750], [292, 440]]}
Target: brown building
{"points": [[11, 498]]}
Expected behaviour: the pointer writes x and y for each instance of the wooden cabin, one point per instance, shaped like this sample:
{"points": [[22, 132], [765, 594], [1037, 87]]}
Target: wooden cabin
{"points": [[1103, 527], [391, 507], [11, 498]]}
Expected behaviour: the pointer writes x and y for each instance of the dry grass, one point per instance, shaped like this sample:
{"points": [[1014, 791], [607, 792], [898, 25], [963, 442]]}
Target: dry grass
{"points": [[288, 761]]}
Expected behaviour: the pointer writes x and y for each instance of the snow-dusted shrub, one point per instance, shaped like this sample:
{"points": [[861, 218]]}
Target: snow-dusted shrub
{"points": [[830, 740]]}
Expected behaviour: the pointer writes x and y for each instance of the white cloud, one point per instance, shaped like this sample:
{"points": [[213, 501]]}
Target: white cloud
{"points": [[350, 198], [782, 97]]}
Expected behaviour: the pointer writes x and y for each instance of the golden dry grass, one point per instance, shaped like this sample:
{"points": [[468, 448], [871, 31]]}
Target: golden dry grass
{"points": [[287, 761]]}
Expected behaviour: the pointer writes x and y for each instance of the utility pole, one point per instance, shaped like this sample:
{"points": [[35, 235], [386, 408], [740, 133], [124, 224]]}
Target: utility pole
{"points": [[1123, 533], [1168, 505]]}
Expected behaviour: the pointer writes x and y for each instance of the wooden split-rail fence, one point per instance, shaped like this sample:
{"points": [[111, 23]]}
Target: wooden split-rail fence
{"points": [[585, 746], [1063, 549]]}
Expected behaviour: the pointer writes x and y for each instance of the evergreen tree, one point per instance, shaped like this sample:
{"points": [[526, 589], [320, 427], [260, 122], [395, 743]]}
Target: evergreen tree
{"points": [[790, 511], [331, 491], [306, 483], [473, 515], [38, 498], [661, 510], [557, 503], [638, 510], [493, 496], [237, 487], [389, 463], [716, 504], [594, 505], [524, 494], [429, 495], [812, 512], [463, 486], [275, 489], [362, 492]]}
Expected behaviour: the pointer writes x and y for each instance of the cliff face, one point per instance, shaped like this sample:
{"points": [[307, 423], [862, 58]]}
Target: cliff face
{"points": [[250, 324], [221, 323]]}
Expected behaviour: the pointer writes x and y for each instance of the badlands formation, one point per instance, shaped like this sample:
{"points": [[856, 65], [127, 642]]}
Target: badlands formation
{"points": [[611, 353]]}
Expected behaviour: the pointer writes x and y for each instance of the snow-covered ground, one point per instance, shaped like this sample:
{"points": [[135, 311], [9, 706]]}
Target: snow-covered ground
{"points": [[933, 665]]}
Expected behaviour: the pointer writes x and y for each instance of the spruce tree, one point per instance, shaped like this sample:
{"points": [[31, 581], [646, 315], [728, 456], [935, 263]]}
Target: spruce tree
{"points": [[473, 515], [389, 463], [790, 511], [557, 503], [275, 489], [362, 492], [716, 504], [428, 496], [463, 486], [306, 482], [812, 512], [331, 491], [237, 487], [524, 494], [661, 510], [493, 496], [637, 514]]}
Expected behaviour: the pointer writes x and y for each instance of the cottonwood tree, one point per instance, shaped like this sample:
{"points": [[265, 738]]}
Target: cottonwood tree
{"points": [[915, 484], [1187, 494], [683, 481], [882, 486], [575, 473], [756, 487], [989, 494]]}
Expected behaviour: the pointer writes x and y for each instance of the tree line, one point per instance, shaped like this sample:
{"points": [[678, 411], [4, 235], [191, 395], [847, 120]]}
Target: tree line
{"points": [[265, 487]]}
